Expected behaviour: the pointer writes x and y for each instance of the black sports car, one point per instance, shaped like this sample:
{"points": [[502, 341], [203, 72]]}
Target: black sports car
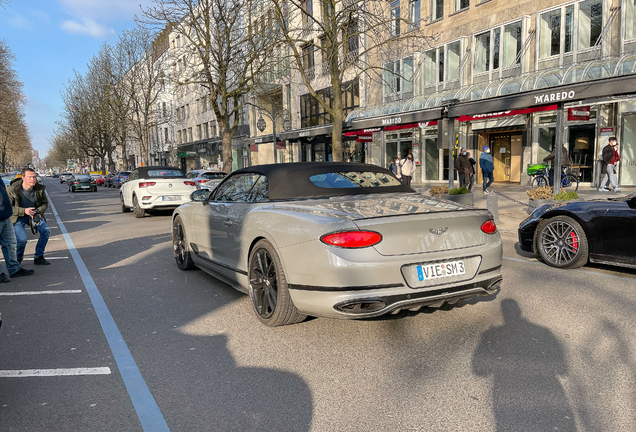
{"points": [[568, 234]]}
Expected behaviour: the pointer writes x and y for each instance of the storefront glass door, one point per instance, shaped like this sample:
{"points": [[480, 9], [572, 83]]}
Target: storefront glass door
{"points": [[581, 149], [627, 151], [431, 157]]}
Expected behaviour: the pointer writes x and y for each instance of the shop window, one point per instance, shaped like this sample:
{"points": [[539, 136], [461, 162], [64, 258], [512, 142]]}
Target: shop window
{"points": [[394, 29], [437, 9], [461, 5], [414, 13], [629, 9], [398, 79], [431, 154], [556, 28]]}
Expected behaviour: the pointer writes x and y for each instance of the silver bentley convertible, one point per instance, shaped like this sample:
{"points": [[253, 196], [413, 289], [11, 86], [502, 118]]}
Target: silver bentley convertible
{"points": [[338, 240]]}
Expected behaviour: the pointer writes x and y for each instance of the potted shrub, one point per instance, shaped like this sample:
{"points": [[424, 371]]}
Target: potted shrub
{"points": [[545, 195], [460, 196]]}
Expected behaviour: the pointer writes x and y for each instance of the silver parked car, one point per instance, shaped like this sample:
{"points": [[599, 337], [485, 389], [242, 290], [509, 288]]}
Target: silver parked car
{"points": [[206, 179], [339, 240]]}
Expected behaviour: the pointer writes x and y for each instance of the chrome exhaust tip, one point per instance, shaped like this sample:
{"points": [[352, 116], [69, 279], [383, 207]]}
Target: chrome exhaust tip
{"points": [[359, 307]]}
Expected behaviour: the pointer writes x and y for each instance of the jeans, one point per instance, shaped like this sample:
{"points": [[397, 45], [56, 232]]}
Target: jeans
{"points": [[21, 237], [610, 177], [9, 243], [488, 176]]}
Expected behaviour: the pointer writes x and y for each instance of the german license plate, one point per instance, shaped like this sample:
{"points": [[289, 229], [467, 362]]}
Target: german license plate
{"points": [[440, 270], [85, 187], [171, 198]]}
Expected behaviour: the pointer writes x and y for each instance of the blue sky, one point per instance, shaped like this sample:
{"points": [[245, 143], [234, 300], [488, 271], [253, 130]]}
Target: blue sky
{"points": [[50, 39]]}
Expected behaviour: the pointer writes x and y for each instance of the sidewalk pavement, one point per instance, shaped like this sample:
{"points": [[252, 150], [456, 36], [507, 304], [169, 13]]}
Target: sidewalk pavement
{"points": [[512, 213]]}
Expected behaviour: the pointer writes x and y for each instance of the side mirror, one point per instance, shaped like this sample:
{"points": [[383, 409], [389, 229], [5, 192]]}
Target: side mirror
{"points": [[200, 195]]}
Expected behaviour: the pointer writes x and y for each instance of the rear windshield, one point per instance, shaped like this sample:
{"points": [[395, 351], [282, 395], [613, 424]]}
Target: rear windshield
{"points": [[213, 176], [82, 177], [353, 179], [124, 173], [165, 173]]}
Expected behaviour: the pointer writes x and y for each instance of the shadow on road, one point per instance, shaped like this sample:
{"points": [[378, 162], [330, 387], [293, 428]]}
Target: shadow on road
{"points": [[525, 361]]}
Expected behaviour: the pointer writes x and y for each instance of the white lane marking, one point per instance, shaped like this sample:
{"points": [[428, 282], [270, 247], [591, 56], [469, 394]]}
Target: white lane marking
{"points": [[17, 293], [47, 257], [596, 273], [54, 372]]}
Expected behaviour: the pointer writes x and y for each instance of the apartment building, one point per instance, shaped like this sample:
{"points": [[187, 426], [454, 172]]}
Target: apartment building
{"points": [[509, 75]]}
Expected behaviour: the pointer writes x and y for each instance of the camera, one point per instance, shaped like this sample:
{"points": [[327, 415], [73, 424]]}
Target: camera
{"points": [[36, 217]]}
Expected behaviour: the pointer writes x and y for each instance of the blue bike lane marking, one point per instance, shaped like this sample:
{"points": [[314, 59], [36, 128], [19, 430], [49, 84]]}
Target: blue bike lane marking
{"points": [[144, 403]]}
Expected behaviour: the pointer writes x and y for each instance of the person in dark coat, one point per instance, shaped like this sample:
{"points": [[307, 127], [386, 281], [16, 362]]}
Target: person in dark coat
{"points": [[462, 164], [610, 160], [7, 239], [473, 162]]}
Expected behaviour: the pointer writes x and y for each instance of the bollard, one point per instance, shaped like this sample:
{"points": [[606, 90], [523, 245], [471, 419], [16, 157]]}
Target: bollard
{"points": [[492, 204]]}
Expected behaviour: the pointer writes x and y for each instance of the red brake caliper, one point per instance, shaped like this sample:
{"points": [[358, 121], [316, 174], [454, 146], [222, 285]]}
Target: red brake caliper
{"points": [[575, 241]]}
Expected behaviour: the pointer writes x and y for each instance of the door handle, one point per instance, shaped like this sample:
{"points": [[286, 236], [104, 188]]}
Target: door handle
{"points": [[227, 222]]}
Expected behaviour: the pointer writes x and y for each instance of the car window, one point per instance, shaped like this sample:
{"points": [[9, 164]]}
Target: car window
{"points": [[214, 176], [237, 188], [260, 191], [81, 177], [165, 173], [192, 174], [353, 179]]}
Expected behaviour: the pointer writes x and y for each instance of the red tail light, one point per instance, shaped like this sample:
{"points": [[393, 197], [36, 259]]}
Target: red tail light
{"points": [[189, 183], [203, 181], [146, 184], [489, 227], [352, 239], [76, 182]]}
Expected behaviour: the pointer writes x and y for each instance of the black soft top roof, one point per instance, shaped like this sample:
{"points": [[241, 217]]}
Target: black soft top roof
{"points": [[143, 171], [291, 180]]}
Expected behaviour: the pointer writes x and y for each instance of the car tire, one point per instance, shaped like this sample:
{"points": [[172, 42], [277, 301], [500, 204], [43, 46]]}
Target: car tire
{"points": [[268, 288], [561, 242], [180, 247], [124, 208], [137, 211]]}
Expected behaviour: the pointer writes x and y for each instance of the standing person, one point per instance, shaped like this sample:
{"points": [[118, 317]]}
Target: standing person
{"points": [[610, 160], [487, 167], [28, 198], [407, 168], [7, 239], [395, 167], [462, 164], [472, 172]]}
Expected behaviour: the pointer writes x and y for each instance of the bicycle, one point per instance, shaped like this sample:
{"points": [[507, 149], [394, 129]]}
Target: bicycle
{"points": [[569, 182]]}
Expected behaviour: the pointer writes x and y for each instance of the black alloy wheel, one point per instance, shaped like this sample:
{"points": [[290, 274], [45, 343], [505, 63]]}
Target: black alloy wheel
{"points": [[124, 208], [180, 246], [137, 211], [561, 242], [268, 288]]}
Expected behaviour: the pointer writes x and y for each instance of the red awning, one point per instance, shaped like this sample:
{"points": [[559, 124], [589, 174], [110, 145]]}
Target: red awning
{"points": [[506, 113]]}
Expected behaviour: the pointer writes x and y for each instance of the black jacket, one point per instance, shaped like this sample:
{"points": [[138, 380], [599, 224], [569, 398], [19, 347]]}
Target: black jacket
{"points": [[5, 204]]}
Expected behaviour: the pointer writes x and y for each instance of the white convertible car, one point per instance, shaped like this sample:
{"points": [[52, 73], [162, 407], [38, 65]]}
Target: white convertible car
{"points": [[155, 188]]}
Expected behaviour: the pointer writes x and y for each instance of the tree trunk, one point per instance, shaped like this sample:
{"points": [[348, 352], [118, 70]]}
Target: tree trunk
{"points": [[226, 142], [338, 118]]}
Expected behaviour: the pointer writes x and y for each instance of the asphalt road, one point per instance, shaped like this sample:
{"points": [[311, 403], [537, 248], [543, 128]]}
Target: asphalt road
{"points": [[135, 338]]}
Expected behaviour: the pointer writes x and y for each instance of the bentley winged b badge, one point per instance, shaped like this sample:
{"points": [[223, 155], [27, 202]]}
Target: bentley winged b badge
{"points": [[438, 231]]}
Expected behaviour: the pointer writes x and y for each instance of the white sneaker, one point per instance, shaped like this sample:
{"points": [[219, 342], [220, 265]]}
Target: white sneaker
{"points": [[603, 190], [486, 192], [617, 189]]}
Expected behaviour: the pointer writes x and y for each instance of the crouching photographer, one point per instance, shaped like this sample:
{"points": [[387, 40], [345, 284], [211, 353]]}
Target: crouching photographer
{"points": [[29, 202]]}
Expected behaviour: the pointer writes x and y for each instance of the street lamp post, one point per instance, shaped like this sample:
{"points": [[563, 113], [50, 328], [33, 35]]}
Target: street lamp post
{"points": [[273, 115]]}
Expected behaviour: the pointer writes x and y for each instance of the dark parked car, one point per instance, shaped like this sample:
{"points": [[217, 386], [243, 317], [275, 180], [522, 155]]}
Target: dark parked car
{"points": [[569, 234], [81, 182], [119, 179]]}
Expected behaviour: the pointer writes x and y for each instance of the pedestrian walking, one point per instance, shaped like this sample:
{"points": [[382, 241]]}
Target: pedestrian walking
{"points": [[395, 167], [7, 239], [610, 160], [472, 171], [29, 202], [487, 167], [407, 169], [462, 164]]}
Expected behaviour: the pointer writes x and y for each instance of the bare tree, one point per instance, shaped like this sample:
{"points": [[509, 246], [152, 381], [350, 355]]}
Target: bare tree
{"points": [[352, 39], [219, 54], [15, 141]]}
